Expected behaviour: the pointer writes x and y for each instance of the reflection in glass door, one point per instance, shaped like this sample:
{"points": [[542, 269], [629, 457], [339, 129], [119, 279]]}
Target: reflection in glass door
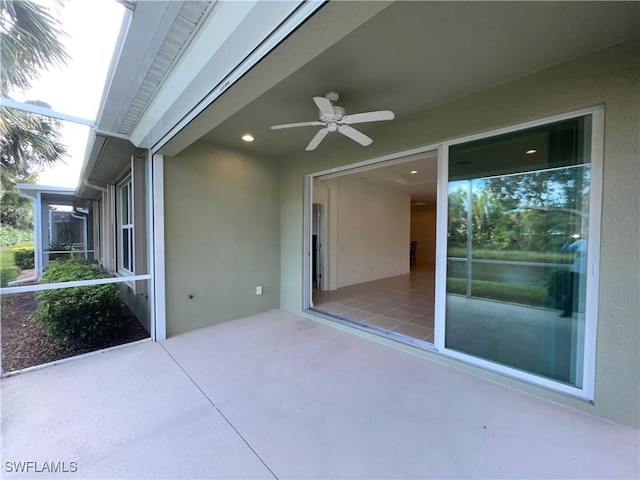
{"points": [[518, 217]]}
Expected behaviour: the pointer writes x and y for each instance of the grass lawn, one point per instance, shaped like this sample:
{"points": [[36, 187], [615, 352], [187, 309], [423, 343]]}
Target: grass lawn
{"points": [[8, 269], [506, 292], [513, 255]]}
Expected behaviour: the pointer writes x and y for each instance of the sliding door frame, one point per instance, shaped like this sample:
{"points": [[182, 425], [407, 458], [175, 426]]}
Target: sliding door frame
{"points": [[307, 300], [593, 256]]}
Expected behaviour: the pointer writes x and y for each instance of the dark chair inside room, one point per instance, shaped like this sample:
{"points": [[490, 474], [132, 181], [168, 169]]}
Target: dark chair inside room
{"points": [[412, 253]]}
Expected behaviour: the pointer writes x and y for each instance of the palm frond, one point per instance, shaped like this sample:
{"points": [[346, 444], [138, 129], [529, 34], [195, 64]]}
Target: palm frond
{"points": [[27, 143], [29, 36]]}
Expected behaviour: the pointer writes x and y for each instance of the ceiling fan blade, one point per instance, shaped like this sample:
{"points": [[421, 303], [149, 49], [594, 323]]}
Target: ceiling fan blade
{"points": [[315, 141], [300, 124], [368, 117], [355, 135], [324, 105]]}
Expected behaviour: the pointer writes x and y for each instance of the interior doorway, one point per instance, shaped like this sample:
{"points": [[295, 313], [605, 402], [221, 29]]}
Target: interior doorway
{"points": [[364, 222]]}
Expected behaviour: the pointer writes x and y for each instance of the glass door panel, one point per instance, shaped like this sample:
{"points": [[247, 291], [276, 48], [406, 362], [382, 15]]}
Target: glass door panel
{"points": [[517, 248]]}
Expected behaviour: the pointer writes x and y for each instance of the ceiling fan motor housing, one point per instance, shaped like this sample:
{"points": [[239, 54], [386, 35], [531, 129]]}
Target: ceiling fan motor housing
{"points": [[338, 113], [333, 97]]}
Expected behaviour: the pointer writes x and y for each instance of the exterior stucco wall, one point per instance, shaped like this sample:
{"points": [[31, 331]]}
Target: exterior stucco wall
{"points": [[222, 236], [609, 77], [138, 302]]}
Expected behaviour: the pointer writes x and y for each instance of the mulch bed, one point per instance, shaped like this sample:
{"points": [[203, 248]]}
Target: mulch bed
{"points": [[25, 344]]}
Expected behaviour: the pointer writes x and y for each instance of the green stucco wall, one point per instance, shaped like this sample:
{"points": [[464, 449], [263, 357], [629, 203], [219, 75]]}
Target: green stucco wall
{"points": [[137, 302], [222, 236], [609, 77]]}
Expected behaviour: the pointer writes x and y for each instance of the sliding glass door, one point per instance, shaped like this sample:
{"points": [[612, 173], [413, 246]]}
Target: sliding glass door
{"points": [[519, 210]]}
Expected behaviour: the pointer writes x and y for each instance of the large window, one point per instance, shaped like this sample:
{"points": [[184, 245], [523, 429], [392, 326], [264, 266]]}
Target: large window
{"points": [[519, 211], [124, 207]]}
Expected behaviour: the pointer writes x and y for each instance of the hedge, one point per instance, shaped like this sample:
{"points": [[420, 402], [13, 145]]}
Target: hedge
{"points": [[23, 258], [89, 315]]}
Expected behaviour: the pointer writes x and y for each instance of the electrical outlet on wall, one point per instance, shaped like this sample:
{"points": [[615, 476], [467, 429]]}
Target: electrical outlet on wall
{"points": [[259, 290]]}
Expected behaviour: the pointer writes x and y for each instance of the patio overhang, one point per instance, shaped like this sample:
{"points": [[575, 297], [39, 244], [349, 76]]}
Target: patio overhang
{"points": [[52, 194], [403, 56]]}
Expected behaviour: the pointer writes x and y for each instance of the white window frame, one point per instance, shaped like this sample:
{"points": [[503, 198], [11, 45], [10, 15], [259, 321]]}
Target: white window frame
{"points": [[121, 268]]}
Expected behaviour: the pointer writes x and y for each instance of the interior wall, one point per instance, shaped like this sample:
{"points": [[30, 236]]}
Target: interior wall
{"points": [[610, 77], [222, 235], [373, 232], [367, 234], [423, 231]]}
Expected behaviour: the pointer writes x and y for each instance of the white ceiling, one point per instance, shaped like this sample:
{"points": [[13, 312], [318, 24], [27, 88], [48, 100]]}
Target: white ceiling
{"points": [[397, 175], [415, 55]]}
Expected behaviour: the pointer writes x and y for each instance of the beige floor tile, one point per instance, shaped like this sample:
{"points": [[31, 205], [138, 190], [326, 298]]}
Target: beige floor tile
{"points": [[399, 315], [388, 301], [414, 331], [383, 322], [358, 315]]}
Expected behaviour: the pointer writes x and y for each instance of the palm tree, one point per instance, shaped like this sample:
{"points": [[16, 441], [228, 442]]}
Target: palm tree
{"points": [[27, 142], [29, 39]]}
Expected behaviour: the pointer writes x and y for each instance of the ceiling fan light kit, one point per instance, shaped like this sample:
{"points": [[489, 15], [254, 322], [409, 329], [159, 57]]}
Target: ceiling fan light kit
{"points": [[333, 118]]}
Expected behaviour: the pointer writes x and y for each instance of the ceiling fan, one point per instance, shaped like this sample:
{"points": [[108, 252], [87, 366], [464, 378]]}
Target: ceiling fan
{"points": [[333, 118]]}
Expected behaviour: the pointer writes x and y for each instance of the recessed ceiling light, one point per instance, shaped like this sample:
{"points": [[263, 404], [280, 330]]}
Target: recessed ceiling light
{"points": [[248, 137], [413, 172], [530, 152]]}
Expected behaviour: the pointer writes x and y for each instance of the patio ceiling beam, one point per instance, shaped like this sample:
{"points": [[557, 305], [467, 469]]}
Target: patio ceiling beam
{"points": [[47, 112]]}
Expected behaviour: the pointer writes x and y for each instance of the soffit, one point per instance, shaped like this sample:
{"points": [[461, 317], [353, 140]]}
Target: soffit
{"points": [[114, 155], [157, 36], [117, 154], [169, 57], [415, 55]]}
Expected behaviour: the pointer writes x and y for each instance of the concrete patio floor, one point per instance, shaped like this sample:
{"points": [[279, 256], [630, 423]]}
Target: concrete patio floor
{"points": [[276, 395]]}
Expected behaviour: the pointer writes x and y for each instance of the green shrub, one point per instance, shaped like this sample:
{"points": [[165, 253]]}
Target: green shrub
{"points": [[60, 247], [8, 273], [89, 315], [11, 236], [23, 258]]}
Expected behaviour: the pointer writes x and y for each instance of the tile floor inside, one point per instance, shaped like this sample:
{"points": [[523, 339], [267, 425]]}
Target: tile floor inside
{"points": [[402, 304]]}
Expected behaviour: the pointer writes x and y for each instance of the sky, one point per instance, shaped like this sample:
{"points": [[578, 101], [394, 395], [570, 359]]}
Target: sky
{"points": [[92, 28]]}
